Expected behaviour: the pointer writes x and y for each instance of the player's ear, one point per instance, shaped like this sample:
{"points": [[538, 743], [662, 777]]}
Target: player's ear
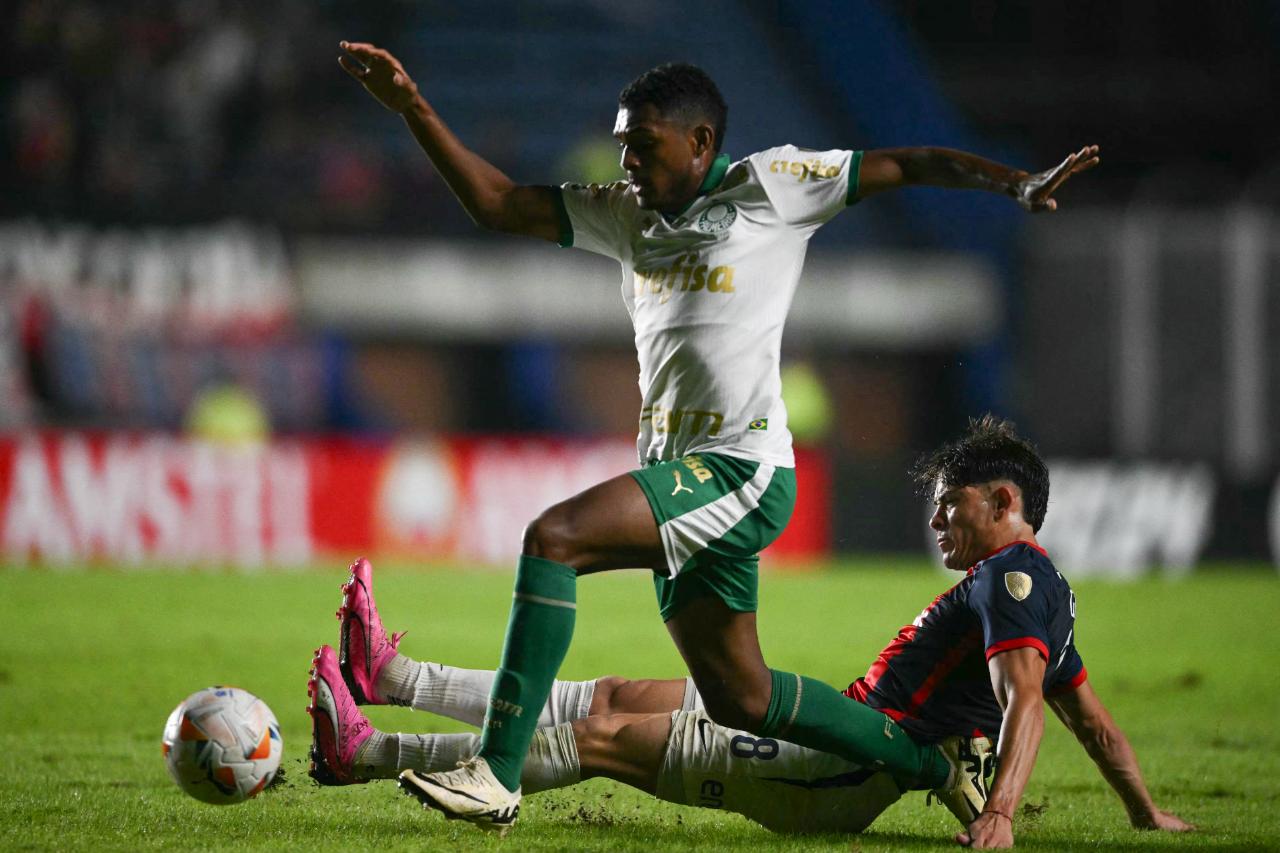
{"points": [[704, 139], [1003, 498]]}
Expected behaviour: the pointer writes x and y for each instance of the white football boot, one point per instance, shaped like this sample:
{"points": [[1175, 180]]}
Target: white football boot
{"points": [[972, 761], [470, 793]]}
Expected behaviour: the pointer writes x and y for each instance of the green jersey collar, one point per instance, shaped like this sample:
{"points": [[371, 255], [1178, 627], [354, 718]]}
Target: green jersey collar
{"points": [[715, 175], [713, 179]]}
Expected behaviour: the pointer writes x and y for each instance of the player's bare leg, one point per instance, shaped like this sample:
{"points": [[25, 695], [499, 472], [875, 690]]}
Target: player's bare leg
{"points": [[686, 759], [608, 526], [612, 526], [627, 748], [721, 649], [615, 695]]}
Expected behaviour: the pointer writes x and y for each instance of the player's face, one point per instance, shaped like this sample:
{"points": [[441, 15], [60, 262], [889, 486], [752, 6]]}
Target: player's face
{"points": [[661, 158], [965, 523]]}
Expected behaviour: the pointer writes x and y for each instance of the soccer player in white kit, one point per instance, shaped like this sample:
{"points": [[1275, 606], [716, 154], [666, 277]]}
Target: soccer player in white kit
{"points": [[711, 251]]}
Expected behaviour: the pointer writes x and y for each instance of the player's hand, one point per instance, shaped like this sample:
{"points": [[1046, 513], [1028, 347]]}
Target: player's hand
{"points": [[380, 73], [990, 831], [1035, 192], [1166, 821]]}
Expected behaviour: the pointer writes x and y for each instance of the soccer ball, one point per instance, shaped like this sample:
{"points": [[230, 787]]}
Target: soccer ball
{"points": [[222, 745]]}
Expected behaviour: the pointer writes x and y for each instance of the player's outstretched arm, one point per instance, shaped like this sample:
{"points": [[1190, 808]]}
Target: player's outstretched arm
{"points": [[1083, 713], [1017, 676], [490, 198], [890, 168]]}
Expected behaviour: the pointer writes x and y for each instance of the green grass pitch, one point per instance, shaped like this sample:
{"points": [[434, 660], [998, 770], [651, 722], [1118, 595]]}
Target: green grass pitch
{"points": [[91, 663]]}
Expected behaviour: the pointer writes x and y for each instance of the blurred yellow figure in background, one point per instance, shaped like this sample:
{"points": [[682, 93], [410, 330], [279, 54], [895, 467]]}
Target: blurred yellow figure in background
{"points": [[593, 161], [807, 401], [227, 413]]}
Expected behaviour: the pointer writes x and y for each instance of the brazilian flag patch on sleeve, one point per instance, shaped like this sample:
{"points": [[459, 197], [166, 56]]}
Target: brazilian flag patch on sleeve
{"points": [[759, 424]]}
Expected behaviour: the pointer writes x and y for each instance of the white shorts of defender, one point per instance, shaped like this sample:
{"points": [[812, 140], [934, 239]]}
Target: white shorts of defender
{"points": [[783, 787]]}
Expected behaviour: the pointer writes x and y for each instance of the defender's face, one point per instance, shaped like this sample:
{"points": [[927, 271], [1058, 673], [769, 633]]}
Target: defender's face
{"points": [[964, 521], [658, 157]]}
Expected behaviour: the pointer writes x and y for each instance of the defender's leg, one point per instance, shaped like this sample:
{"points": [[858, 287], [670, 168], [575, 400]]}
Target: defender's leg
{"points": [[784, 787], [720, 647]]}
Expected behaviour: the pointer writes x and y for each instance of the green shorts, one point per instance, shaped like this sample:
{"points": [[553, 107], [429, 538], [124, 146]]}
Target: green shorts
{"points": [[715, 514]]}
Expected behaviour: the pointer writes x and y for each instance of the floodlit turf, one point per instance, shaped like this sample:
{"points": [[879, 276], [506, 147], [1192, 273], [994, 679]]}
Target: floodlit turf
{"points": [[92, 663]]}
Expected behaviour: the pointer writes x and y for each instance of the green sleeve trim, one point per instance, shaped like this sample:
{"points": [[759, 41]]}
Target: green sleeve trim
{"points": [[562, 214], [855, 166]]}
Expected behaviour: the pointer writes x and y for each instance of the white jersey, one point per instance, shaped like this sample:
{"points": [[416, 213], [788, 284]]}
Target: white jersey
{"points": [[709, 290]]}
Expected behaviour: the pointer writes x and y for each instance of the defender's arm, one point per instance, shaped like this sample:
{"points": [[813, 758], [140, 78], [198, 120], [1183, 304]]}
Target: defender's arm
{"points": [[1083, 713], [490, 198], [1017, 676], [891, 168]]}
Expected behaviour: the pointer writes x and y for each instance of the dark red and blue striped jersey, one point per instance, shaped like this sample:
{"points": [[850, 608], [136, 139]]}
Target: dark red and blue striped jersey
{"points": [[933, 678]]}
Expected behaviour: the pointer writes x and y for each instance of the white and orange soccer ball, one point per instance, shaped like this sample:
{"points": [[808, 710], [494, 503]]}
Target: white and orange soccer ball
{"points": [[222, 745]]}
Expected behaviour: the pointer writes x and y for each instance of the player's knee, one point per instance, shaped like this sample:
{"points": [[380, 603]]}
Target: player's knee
{"points": [[595, 738], [596, 731], [550, 536], [606, 693]]}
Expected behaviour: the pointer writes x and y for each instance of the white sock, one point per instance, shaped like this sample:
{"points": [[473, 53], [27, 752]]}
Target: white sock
{"points": [[552, 761], [397, 679], [569, 701], [463, 694], [384, 755], [377, 758], [431, 753]]}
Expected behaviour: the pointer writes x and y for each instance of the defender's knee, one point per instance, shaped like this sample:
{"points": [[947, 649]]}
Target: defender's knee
{"points": [[595, 732], [605, 693]]}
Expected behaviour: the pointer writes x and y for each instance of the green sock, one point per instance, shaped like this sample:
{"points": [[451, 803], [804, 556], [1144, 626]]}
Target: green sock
{"points": [[818, 716], [538, 636]]}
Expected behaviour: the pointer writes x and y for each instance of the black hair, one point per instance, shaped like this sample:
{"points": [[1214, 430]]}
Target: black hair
{"points": [[680, 91], [990, 450]]}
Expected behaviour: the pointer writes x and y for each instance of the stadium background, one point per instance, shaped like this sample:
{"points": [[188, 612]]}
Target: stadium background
{"points": [[244, 326], [207, 232]]}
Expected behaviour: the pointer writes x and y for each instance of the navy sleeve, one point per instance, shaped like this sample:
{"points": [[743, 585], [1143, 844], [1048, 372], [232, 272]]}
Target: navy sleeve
{"points": [[1069, 672], [1013, 606]]}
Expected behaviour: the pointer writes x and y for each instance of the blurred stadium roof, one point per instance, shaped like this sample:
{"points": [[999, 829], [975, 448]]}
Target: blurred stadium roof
{"points": [[180, 111]]}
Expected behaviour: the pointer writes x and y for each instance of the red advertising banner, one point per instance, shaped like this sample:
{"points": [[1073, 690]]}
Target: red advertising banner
{"points": [[70, 498]]}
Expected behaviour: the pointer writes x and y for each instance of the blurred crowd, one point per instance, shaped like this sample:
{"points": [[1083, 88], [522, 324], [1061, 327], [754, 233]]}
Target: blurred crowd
{"points": [[135, 124], [190, 111]]}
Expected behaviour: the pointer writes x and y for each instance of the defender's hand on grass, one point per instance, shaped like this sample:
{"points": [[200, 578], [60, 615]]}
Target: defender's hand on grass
{"points": [[380, 73], [1035, 191], [991, 831]]}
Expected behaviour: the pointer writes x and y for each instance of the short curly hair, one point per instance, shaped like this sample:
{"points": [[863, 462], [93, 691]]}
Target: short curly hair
{"points": [[680, 91], [990, 450]]}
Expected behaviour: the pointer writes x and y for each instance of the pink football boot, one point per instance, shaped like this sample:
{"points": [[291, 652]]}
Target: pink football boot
{"points": [[365, 647], [338, 728]]}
